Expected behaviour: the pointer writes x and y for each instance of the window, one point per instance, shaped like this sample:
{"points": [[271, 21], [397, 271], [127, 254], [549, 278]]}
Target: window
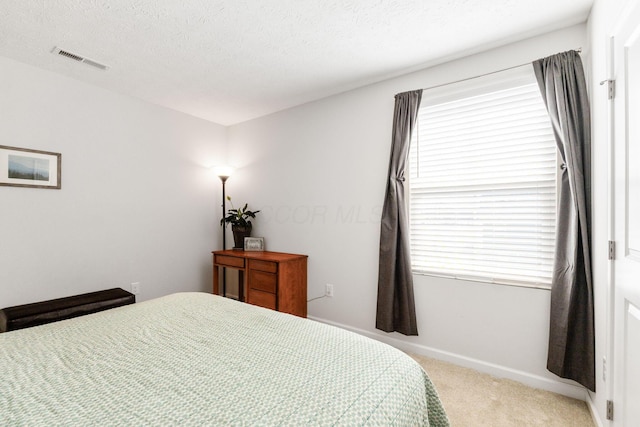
{"points": [[482, 187]]}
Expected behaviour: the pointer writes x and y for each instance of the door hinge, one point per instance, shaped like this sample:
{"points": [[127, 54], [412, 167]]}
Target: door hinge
{"points": [[612, 249], [610, 410], [611, 88]]}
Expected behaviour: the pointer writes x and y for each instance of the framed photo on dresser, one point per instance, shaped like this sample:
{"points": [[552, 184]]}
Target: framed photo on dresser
{"points": [[254, 243]]}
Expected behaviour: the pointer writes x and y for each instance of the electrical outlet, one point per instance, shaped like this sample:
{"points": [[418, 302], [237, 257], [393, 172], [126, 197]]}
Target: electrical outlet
{"points": [[328, 291], [136, 288]]}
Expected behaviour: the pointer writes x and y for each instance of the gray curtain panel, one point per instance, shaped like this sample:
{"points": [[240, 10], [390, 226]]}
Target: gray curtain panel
{"points": [[396, 309], [571, 333]]}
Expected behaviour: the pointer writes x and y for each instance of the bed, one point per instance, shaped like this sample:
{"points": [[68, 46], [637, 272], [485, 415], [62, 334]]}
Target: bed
{"points": [[196, 359]]}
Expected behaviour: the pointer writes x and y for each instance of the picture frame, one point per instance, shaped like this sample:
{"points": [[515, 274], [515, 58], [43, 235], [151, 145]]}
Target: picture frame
{"points": [[23, 167], [254, 243]]}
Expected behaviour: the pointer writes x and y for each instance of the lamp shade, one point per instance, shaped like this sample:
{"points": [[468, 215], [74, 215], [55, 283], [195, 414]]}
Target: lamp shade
{"points": [[223, 171]]}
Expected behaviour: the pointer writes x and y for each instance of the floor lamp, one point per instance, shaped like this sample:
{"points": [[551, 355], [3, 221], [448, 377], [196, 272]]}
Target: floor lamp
{"points": [[223, 177]]}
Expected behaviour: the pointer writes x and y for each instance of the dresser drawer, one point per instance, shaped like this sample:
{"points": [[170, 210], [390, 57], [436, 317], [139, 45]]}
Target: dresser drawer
{"points": [[263, 299], [262, 281], [229, 261], [268, 266]]}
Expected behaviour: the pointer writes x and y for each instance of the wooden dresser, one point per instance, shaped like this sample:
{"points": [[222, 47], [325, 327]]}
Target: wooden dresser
{"points": [[272, 280]]}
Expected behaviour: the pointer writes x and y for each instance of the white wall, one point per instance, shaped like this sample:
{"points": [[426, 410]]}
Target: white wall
{"points": [[318, 172], [137, 202]]}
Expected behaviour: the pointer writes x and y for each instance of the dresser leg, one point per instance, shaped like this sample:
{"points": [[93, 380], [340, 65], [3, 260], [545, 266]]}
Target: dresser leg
{"points": [[241, 285]]}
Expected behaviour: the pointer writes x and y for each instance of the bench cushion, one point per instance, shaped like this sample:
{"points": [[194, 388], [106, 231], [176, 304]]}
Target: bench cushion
{"points": [[39, 313]]}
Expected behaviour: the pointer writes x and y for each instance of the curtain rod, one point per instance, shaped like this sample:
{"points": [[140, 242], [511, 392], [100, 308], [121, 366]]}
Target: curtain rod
{"points": [[579, 50]]}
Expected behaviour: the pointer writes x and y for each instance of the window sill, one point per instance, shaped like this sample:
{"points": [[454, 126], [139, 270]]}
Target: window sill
{"points": [[543, 286]]}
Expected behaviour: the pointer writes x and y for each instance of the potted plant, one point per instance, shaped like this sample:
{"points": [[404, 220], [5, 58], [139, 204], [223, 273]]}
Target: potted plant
{"points": [[240, 223]]}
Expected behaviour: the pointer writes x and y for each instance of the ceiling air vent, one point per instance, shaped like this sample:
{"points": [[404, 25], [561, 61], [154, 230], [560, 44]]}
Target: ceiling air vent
{"points": [[78, 58]]}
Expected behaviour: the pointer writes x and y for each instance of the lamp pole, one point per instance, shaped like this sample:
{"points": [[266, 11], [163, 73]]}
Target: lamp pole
{"points": [[224, 178]]}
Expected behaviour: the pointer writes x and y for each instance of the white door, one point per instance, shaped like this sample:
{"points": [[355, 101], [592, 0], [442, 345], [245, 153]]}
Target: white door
{"points": [[626, 172]]}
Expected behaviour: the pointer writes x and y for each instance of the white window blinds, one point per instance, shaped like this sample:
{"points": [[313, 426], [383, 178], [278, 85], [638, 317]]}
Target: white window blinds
{"points": [[482, 185]]}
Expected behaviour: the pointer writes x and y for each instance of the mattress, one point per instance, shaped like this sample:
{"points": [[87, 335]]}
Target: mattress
{"points": [[196, 359]]}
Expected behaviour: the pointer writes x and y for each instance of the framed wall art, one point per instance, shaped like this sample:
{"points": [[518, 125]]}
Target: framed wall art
{"points": [[22, 167], [254, 243]]}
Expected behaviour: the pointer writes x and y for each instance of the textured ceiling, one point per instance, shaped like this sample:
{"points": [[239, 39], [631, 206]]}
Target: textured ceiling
{"points": [[233, 60]]}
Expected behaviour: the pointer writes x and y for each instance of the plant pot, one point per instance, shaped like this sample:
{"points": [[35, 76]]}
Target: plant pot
{"points": [[239, 233]]}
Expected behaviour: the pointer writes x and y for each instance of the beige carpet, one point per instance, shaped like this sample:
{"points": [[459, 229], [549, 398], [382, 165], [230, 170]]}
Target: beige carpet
{"points": [[474, 399]]}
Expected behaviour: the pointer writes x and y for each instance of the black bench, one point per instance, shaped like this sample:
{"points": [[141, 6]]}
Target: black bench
{"points": [[39, 313]]}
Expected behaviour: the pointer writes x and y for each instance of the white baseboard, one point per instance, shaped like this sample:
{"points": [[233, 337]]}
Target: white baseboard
{"points": [[595, 415], [531, 380]]}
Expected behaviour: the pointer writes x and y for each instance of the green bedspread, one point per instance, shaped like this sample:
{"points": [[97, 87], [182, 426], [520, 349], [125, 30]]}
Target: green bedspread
{"points": [[195, 359]]}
